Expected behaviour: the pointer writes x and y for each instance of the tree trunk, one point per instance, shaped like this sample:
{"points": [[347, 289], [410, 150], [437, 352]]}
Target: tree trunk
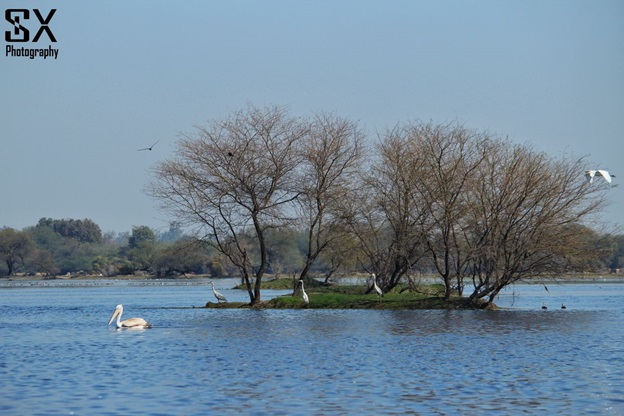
{"points": [[10, 266]]}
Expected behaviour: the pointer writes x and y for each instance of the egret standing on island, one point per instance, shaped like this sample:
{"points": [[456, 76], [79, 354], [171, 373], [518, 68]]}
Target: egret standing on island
{"points": [[377, 288], [306, 300], [218, 295]]}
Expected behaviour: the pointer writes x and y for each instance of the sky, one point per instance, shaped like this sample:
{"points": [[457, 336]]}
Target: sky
{"points": [[129, 73]]}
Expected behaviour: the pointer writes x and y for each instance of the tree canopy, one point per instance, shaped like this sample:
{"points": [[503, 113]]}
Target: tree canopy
{"points": [[463, 203], [262, 191]]}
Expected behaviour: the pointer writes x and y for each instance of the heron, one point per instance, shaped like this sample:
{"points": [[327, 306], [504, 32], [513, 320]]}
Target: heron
{"points": [[218, 295], [306, 300], [149, 148], [377, 288], [132, 323], [590, 174]]}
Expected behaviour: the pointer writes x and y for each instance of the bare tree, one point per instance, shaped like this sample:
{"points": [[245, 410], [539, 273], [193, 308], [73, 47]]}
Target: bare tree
{"points": [[234, 180], [332, 156], [525, 216], [478, 206], [448, 156], [382, 214]]}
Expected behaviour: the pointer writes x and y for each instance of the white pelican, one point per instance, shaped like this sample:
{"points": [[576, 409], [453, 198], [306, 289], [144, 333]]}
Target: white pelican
{"points": [[304, 294], [218, 295], [132, 323], [377, 288], [590, 174]]}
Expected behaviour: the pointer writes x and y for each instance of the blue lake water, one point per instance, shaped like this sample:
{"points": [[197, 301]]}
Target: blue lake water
{"points": [[57, 356]]}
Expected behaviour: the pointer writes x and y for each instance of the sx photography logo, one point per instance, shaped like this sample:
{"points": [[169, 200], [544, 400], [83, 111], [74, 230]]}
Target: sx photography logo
{"points": [[19, 20]]}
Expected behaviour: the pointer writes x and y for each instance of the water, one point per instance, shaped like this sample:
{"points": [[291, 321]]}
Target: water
{"points": [[57, 357]]}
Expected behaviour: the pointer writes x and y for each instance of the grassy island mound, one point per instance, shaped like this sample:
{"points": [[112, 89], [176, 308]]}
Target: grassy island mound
{"points": [[323, 296]]}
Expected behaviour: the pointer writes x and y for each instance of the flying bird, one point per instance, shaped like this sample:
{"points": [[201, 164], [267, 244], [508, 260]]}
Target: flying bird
{"points": [[132, 323], [149, 148], [304, 294], [590, 174], [219, 296], [544, 305], [563, 306]]}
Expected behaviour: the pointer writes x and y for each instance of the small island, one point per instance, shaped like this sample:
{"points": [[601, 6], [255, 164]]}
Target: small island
{"points": [[356, 296]]}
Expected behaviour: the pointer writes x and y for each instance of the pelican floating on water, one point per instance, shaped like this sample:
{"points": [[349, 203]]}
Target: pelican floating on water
{"points": [[590, 174], [132, 323], [219, 296]]}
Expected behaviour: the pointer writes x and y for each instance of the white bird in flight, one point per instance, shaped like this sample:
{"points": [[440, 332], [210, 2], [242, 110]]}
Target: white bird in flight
{"points": [[590, 174], [132, 323], [304, 294], [219, 296], [149, 148]]}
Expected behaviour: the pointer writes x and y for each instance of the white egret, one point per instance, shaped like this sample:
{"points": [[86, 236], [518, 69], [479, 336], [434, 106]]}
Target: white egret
{"points": [[132, 323], [590, 174], [304, 294], [377, 288], [219, 296]]}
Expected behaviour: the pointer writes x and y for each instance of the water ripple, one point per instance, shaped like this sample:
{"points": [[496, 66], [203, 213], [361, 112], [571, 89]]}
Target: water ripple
{"points": [[58, 357]]}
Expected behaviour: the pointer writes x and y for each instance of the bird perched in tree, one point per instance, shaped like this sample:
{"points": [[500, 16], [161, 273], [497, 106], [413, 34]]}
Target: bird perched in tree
{"points": [[590, 174], [219, 296]]}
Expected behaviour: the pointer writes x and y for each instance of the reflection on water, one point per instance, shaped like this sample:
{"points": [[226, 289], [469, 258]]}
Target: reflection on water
{"points": [[58, 357]]}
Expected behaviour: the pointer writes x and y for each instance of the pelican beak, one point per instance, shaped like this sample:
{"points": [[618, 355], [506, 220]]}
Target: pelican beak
{"points": [[113, 317]]}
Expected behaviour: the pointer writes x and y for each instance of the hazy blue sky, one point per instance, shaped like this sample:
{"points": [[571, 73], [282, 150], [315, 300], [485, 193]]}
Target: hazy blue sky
{"points": [[128, 73]]}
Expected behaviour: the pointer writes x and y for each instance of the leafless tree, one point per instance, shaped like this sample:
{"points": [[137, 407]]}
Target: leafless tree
{"points": [[448, 156], [526, 208], [466, 204], [332, 156], [471, 205], [234, 180], [382, 214]]}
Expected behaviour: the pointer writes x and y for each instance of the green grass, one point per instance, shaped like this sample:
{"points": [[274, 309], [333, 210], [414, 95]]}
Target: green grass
{"points": [[353, 297], [346, 301]]}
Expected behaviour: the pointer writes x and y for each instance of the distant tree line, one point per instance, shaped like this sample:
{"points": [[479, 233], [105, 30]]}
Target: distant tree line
{"points": [[68, 246], [41, 250]]}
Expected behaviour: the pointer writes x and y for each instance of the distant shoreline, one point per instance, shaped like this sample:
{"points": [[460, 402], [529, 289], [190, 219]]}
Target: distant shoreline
{"points": [[92, 280]]}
